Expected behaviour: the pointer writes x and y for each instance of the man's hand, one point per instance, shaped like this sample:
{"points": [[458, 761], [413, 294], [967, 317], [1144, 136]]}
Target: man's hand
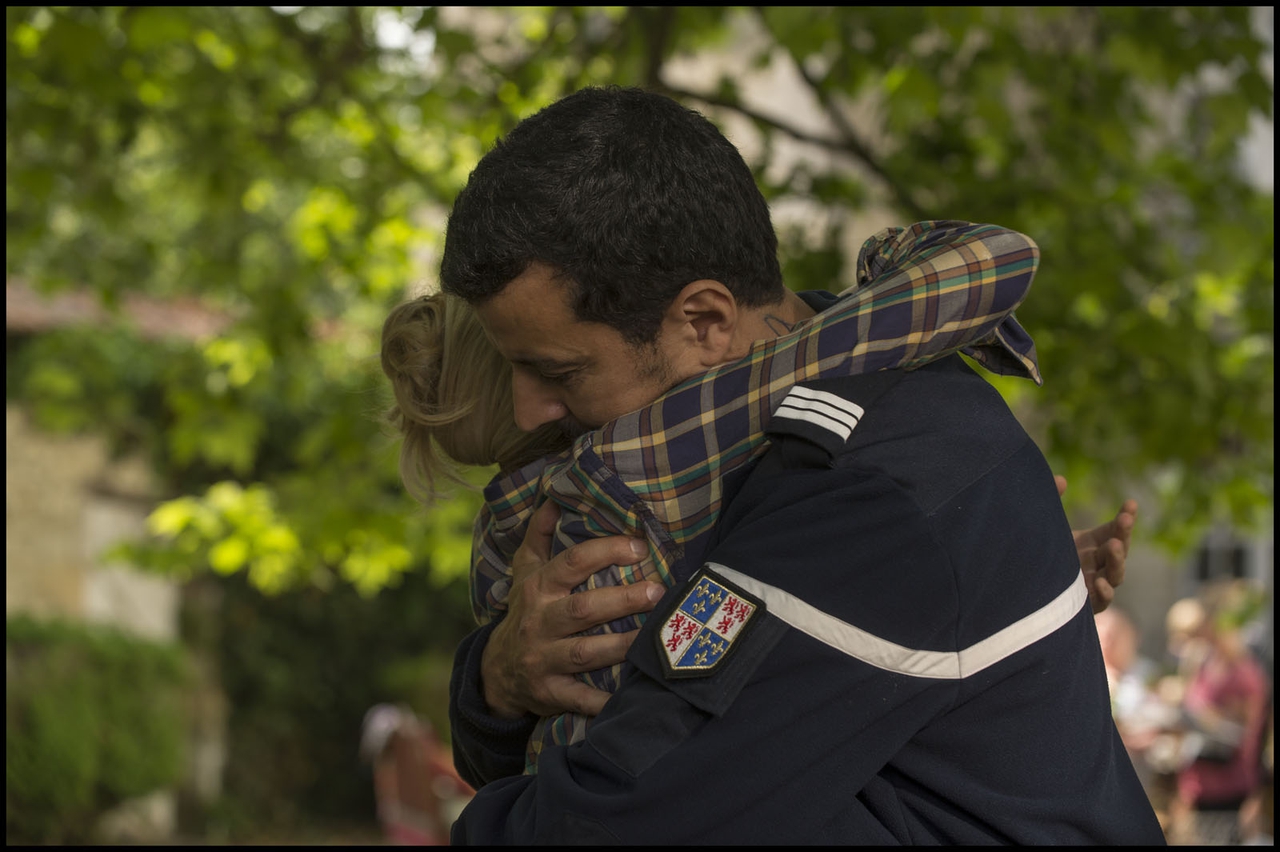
{"points": [[1103, 551], [531, 657]]}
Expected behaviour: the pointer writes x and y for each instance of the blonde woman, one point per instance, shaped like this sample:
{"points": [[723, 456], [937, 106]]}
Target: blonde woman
{"points": [[453, 396]]}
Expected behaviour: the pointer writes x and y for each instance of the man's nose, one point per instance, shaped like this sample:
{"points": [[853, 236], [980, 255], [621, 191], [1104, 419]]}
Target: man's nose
{"points": [[534, 403]]}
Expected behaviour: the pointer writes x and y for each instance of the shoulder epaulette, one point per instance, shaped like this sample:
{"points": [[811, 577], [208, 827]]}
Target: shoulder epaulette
{"points": [[827, 411]]}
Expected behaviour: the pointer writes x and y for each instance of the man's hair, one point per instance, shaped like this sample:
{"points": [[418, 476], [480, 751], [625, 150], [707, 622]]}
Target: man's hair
{"points": [[627, 196], [452, 396]]}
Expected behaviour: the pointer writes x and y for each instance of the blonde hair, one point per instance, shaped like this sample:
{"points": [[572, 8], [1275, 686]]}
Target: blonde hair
{"points": [[452, 396]]}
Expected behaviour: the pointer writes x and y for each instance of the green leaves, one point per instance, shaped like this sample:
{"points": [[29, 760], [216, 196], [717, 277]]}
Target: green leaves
{"points": [[92, 717], [233, 528], [290, 172], [150, 27]]}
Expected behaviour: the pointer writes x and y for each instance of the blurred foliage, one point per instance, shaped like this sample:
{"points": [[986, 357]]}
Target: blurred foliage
{"points": [[92, 718], [299, 670], [1237, 604], [291, 168]]}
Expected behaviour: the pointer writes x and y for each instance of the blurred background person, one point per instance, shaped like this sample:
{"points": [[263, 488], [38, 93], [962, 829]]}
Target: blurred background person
{"points": [[419, 793], [1140, 713], [1225, 702]]}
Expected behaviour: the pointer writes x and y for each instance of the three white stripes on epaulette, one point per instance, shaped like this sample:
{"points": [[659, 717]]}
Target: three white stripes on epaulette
{"points": [[826, 410]]}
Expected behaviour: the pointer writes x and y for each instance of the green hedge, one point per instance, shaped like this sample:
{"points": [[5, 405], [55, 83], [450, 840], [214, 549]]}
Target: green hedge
{"points": [[92, 717]]}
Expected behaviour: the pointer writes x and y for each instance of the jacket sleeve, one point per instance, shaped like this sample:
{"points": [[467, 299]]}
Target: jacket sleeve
{"points": [[959, 284], [485, 747]]}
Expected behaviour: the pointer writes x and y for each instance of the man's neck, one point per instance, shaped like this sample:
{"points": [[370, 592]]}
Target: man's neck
{"points": [[771, 321]]}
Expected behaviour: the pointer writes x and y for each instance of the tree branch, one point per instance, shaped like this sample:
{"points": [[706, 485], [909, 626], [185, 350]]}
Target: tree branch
{"points": [[658, 31], [857, 147], [842, 146], [777, 124], [849, 143]]}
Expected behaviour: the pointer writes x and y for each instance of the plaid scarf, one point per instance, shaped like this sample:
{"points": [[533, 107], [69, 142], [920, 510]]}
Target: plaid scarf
{"points": [[662, 473]]}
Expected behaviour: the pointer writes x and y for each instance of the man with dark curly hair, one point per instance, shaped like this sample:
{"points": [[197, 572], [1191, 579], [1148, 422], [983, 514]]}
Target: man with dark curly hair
{"points": [[880, 634]]}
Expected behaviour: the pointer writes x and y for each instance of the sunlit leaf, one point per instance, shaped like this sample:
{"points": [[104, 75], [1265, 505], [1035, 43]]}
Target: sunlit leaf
{"points": [[229, 555]]}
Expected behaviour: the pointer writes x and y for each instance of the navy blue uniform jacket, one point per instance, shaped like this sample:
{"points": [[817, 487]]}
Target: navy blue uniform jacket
{"points": [[913, 660]]}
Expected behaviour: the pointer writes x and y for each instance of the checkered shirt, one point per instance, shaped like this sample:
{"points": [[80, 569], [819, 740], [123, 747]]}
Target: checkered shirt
{"points": [[925, 291]]}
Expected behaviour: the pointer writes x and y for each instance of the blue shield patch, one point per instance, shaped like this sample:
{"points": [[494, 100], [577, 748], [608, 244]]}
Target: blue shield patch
{"points": [[709, 622]]}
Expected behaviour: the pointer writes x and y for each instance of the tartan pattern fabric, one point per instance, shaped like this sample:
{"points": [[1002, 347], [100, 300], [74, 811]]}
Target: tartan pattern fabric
{"points": [[659, 473]]}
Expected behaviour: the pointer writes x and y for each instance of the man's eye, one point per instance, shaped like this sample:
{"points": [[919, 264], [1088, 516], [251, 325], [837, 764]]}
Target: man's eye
{"points": [[559, 378]]}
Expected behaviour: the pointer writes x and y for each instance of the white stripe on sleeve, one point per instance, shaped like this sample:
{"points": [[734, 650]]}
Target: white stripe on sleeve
{"points": [[883, 654]]}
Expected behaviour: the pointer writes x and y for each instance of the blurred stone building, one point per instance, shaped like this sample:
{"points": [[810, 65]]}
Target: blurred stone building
{"points": [[67, 502]]}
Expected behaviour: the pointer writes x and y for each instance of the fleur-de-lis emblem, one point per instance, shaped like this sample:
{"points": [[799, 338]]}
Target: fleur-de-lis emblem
{"points": [[705, 626]]}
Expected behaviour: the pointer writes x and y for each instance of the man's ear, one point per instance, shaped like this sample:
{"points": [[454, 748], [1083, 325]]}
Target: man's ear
{"points": [[701, 321]]}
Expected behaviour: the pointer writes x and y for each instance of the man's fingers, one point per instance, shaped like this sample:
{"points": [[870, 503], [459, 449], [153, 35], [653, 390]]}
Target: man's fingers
{"points": [[1112, 566], [1061, 482], [588, 653], [577, 697], [1101, 593], [1103, 551], [1126, 520], [585, 609], [537, 539], [582, 560], [545, 517], [579, 654]]}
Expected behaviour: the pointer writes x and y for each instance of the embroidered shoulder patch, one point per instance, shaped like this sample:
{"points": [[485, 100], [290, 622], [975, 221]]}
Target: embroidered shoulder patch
{"points": [[706, 625]]}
